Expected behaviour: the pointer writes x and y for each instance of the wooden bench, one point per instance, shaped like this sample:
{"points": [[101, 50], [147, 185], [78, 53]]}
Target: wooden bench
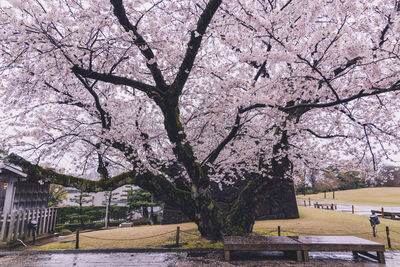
{"points": [[301, 245], [325, 205], [386, 213]]}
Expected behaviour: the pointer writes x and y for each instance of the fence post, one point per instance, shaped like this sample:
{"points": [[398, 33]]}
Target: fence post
{"points": [[388, 237], [18, 229], [325, 194], [11, 227], [383, 213], [279, 231], [305, 203], [77, 239], [309, 201], [54, 221], [177, 235], [48, 217], [4, 227], [352, 209], [333, 194]]}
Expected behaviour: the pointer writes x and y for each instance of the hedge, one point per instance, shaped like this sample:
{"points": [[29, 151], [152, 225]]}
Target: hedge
{"points": [[90, 213], [75, 226]]}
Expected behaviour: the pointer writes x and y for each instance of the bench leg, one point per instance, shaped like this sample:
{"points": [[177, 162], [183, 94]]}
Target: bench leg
{"points": [[227, 255], [381, 256], [305, 256]]}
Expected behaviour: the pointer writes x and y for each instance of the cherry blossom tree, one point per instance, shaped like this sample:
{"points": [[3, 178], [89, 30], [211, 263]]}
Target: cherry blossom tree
{"points": [[155, 92]]}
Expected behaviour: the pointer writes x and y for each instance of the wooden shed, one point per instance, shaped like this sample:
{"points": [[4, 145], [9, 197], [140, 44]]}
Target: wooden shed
{"points": [[23, 199]]}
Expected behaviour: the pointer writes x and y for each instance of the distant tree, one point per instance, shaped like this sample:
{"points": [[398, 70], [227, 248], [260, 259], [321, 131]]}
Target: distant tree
{"points": [[57, 194], [81, 199], [140, 200], [350, 180], [109, 197], [327, 182]]}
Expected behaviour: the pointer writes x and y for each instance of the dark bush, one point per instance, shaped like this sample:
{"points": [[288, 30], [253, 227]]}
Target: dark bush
{"points": [[91, 213], [65, 232], [93, 225]]}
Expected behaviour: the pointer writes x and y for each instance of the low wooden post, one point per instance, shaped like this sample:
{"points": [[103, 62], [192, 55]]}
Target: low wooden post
{"points": [[352, 209], [332, 206], [177, 235], [11, 227], [333, 194], [305, 203], [279, 231], [309, 201], [388, 237], [77, 239], [325, 194], [383, 213]]}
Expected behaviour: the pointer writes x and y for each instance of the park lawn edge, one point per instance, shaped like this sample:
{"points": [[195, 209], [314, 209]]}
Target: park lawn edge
{"points": [[311, 222], [376, 196]]}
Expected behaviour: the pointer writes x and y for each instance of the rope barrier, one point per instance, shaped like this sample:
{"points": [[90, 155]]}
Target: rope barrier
{"points": [[126, 239], [197, 234], [189, 233], [391, 231]]}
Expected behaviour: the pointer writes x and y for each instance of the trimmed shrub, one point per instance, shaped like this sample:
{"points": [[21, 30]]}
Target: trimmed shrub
{"points": [[65, 232], [90, 213]]}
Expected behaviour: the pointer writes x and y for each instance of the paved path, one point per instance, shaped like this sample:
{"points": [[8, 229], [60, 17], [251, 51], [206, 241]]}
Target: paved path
{"points": [[358, 209], [183, 259]]}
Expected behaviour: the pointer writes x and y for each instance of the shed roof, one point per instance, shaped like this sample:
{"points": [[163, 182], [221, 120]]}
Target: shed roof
{"points": [[11, 169]]}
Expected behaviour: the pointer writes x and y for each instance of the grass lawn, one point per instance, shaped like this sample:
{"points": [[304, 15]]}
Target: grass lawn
{"points": [[327, 222], [378, 196], [311, 222], [130, 237]]}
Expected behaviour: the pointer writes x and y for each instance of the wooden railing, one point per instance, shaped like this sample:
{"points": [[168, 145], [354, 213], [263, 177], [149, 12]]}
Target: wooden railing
{"points": [[15, 225]]}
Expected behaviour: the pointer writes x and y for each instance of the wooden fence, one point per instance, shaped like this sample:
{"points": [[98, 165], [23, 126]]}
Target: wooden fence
{"points": [[15, 225]]}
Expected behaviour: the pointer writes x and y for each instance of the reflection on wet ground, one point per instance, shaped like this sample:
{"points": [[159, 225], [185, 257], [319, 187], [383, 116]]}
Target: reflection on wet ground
{"points": [[183, 259]]}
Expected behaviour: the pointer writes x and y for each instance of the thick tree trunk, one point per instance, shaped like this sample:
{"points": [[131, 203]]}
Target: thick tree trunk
{"points": [[273, 186]]}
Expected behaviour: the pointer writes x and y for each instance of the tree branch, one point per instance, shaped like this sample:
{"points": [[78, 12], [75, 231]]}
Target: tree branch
{"points": [[156, 184], [325, 136], [361, 94], [117, 80], [119, 12], [214, 154], [194, 46]]}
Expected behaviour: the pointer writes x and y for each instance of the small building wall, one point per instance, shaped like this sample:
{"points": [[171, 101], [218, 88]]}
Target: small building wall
{"points": [[29, 195], [23, 199]]}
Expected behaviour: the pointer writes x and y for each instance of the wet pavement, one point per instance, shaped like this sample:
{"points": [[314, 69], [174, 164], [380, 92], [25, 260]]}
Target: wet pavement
{"points": [[183, 259]]}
